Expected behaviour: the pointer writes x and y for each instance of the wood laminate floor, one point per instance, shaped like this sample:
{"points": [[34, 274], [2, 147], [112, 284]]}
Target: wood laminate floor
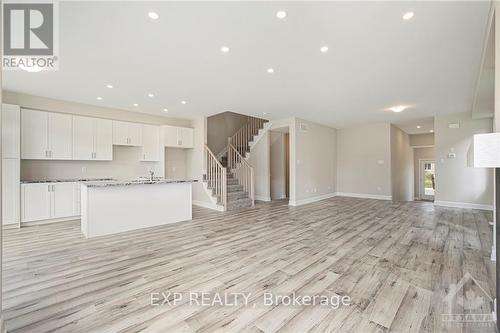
{"points": [[397, 262]]}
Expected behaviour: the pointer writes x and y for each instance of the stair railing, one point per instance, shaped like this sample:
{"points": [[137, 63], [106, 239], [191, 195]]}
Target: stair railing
{"points": [[241, 169], [216, 177], [241, 139]]}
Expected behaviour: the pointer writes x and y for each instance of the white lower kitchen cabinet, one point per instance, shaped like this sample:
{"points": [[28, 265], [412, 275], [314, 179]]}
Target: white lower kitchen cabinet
{"points": [[49, 201], [11, 191], [63, 201]]}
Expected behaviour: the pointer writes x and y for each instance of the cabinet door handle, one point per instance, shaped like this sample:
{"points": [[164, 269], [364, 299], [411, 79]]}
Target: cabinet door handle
{"points": [[46, 153]]}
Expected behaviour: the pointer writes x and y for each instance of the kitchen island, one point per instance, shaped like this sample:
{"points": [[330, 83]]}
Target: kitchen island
{"points": [[110, 207]]}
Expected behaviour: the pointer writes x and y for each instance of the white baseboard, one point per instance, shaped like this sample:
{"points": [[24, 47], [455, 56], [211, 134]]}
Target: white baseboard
{"points": [[61, 219], [311, 200], [465, 205], [365, 196], [262, 198], [208, 205]]}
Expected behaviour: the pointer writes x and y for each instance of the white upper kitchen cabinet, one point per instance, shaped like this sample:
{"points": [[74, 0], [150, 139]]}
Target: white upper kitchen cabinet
{"points": [[127, 134], [92, 139], [150, 143], [46, 135], [180, 137], [186, 136], [170, 133], [83, 138], [11, 131], [103, 140]]}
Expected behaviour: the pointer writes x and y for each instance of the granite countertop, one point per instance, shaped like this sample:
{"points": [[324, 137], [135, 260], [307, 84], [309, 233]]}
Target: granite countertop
{"points": [[135, 182], [68, 180]]}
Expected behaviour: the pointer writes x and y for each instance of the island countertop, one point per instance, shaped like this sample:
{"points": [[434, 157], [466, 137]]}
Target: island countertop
{"points": [[136, 182]]}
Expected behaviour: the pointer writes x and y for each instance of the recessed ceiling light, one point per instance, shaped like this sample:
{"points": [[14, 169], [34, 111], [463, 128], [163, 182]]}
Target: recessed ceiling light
{"points": [[183, 102], [408, 15], [419, 126], [398, 108], [224, 49], [324, 49], [99, 98], [281, 14], [166, 110], [270, 70], [136, 105], [110, 86], [432, 131], [153, 15], [151, 95]]}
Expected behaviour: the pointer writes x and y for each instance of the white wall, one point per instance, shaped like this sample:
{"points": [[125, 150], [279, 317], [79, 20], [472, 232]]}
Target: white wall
{"points": [[175, 163], [260, 161], [401, 166], [313, 161], [195, 161], [456, 183], [278, 161], [364, 161], [422, 139], [220, 127], [428, 153]]}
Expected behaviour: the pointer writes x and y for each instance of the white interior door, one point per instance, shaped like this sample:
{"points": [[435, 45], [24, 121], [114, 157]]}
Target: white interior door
{"points": [[427, 179]]}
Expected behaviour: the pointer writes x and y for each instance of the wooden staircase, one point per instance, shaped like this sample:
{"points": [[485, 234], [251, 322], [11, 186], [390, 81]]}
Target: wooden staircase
{"points": [[230, 177]]}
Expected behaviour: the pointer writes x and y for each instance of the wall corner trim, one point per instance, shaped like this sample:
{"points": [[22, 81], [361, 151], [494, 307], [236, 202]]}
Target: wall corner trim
{"points": [[466, 205], [365, 196], [262, 198], [208, 205], [311, 200]]}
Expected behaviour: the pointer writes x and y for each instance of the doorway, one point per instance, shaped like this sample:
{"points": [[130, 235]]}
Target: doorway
{"points": [[427, 182], [280, 166]]}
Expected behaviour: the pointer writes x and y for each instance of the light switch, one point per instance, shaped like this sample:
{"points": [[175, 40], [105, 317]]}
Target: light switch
{"points": [[380, 162]]}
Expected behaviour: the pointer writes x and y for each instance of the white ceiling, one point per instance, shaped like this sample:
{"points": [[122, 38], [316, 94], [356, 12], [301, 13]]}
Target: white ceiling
{"points": [[417, 126], [375, 59]]}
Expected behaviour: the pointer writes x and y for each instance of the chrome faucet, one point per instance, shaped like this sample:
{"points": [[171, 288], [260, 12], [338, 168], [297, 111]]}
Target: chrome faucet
{"points": [[152, 175]]}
